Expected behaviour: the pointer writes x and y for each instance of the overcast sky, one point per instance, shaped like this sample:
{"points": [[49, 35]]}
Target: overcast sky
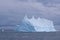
{"points": [[13, 11]]}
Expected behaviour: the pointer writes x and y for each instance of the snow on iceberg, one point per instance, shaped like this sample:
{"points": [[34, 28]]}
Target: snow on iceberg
{"points": [[36, 25]]}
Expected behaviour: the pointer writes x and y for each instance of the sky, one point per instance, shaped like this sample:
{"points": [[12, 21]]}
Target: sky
{"points": [[13, 11]]}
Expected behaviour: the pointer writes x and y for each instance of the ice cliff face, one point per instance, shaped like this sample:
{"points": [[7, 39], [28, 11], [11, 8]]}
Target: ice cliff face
{"points": [[36, 25], [25, 26]]}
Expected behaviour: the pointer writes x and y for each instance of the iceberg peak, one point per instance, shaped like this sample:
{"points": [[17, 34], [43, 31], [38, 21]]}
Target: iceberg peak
{"points": [[32, 18]]}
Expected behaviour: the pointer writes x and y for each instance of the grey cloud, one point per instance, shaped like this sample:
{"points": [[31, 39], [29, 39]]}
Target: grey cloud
{"points": [[57, 27]]}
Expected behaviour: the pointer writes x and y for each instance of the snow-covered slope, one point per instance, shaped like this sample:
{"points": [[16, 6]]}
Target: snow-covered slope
{"points": [[36, 25]]}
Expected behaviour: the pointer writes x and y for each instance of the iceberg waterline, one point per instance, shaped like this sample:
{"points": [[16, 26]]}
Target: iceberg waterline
{"points": [[36, 25]]}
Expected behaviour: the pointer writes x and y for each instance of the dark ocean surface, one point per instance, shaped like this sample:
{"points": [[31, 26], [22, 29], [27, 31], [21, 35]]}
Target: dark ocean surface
{"points": [[29, 35]]}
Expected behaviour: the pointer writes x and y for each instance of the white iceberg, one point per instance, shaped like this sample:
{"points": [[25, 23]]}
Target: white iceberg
{"points": [[41, 24], [35, 25]]}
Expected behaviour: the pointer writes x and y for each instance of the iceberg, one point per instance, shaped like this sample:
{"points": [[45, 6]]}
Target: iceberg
{"points": [[36, 25]]}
